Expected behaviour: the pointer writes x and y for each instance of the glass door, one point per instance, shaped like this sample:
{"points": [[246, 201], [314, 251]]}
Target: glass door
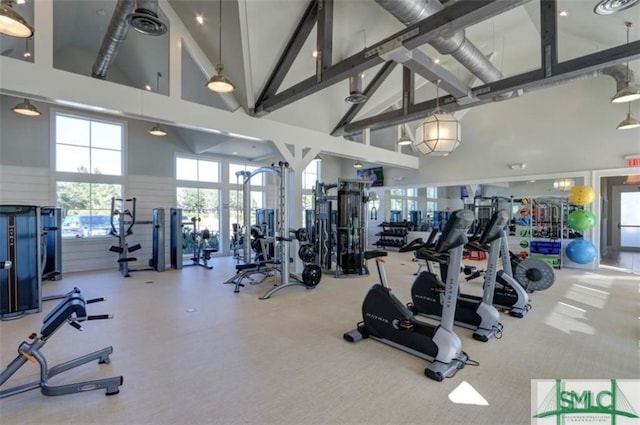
{"points": [[626, 213]]}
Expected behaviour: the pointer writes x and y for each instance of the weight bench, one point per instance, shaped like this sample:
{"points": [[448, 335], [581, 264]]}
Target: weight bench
{"points": [[246, 271], [72, 310]]}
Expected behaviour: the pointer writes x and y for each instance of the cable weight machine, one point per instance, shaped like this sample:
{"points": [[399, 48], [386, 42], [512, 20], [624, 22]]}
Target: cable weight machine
{"points": [[123, 212]]}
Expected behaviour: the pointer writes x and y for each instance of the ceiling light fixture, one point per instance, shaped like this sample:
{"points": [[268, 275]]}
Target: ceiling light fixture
{"points": [[439, 134], [157, 129], [200, 19], [358, 164], [564, 13], [629, 122], [26, 108], [12, 23], [404, 140], [219, 83], [629, 92]]}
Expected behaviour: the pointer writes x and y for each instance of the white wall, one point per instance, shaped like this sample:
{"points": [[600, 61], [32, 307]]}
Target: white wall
{"points": [[569, 128]]}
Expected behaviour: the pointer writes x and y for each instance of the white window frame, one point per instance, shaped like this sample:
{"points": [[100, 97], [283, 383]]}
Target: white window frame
{"points": [[91, 178]]}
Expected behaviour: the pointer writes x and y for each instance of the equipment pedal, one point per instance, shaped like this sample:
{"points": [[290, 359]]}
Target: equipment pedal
{"points": [[117, 249], [127, 260]]}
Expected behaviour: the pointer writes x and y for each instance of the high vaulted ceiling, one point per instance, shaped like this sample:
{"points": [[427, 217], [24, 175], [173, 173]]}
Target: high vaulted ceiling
{"points": [[256, 32]]}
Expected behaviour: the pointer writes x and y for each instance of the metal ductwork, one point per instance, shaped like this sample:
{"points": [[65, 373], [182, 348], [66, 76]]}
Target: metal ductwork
{"points": [[457, 45], [355, 90], [116, 33], [617, 72], [144, 19]]}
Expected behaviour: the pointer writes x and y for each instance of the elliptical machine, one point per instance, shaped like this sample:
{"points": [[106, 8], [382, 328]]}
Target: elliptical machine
{"points": [[471, 312], [388, 320]]}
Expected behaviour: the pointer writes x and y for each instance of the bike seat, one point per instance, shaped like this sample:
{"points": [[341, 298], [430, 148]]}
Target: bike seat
{"points": [[368, 255]]}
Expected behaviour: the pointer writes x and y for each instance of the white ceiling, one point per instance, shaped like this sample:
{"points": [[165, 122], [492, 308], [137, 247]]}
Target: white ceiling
{"points": [[255, 32]]}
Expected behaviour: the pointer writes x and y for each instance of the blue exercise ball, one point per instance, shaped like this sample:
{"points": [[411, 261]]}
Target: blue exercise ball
{"points": [[581, 251]]}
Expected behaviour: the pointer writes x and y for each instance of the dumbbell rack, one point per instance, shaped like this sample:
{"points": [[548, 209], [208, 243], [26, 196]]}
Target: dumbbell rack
{"points": [[393, 235]]}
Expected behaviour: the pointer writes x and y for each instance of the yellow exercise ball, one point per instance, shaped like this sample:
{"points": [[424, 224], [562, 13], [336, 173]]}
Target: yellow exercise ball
{"points": [[582, 195]]}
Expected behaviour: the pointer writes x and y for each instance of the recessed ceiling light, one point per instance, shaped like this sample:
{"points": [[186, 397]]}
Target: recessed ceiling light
{"points": [[436, 61], [235, 153], [27, 54], [148, 87], [200, 19], [314, 53], [20, 2], [564, 13]]}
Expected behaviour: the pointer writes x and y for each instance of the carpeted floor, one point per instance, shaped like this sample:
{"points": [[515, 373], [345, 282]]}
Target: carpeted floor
{"points": [[193, 352]]}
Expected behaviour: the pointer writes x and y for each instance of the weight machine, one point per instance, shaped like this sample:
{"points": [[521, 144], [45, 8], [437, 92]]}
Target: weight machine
{"points": [[324, 222], [126, 219], [282, 232], [20, 285], [352, 228]]}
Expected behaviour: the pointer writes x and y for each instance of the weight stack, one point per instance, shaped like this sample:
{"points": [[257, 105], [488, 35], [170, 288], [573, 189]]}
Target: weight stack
{"points": [[20, 243]]}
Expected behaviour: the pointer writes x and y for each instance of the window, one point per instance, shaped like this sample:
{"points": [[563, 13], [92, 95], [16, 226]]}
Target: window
{"points": [[89, 161], [309, 177], [197, 170], [87, 146], [236, 206], [202, 205], [198, 193], [402, 202]]}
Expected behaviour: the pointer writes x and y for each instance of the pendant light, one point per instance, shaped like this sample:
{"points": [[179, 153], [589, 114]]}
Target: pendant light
{"points": [[157, 129], [12, 23], [629, 92], [404, 140], [439, 133], [630, 122], [358, 165], [219, 83], [26, 107]]}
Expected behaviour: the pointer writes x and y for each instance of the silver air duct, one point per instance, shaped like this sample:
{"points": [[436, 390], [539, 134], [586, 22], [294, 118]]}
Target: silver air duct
{"points": [[116, 33], [355, 90], [145, 18], [457, 45]]}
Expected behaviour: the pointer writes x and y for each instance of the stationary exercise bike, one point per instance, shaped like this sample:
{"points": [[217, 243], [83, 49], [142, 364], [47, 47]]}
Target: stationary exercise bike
{"points": [[471, 312], [388, 320], [509, 293]]}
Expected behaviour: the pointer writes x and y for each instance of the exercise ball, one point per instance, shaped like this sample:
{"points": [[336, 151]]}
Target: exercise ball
{"points": [[524, 244], [581, 220], [582, 195], [581, 251]]}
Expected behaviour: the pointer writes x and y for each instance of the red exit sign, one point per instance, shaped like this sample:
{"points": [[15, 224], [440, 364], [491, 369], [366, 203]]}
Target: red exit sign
{"points": [[633, 161]]}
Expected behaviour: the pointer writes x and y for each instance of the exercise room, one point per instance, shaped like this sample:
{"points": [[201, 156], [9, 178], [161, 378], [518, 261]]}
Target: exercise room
{"points": [[319, 212]]}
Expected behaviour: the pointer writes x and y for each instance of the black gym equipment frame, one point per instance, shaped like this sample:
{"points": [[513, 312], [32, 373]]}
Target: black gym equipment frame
{"points": [[20, 285]]}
